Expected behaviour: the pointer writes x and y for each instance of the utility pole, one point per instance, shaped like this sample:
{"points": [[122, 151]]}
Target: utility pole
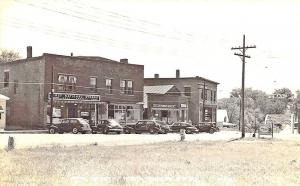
{"points": [[51, 97], [204, 98], [243, 56]]}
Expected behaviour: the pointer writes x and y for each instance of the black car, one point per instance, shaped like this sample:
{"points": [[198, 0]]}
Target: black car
{"points": [[207, 127], [150, 126], [189, 128], [73, 125], [106, 126]]}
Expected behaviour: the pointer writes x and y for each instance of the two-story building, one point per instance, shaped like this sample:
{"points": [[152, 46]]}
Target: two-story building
{"points": [[73, 86], [201, 93]]}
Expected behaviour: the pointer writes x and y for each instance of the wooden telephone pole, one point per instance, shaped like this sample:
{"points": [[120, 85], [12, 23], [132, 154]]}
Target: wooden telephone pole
{"points": [[243, 56]]}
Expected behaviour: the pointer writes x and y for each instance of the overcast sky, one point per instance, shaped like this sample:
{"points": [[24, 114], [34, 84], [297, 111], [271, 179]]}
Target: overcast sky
{"points": [[194, 36]]}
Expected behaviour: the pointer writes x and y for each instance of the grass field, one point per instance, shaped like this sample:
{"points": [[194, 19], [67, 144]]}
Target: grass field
{"points": [[242, 162]]}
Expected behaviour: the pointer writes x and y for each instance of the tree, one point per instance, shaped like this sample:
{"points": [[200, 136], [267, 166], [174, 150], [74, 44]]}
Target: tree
{"points": [[8, 55], [231, 105]]}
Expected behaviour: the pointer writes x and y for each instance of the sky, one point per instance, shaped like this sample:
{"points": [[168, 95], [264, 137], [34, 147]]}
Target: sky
{"points": [[194, 36]]}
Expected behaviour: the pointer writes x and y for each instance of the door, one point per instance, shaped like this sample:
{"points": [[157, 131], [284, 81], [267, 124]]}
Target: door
{"points": [[72, 111], [140, 126]]}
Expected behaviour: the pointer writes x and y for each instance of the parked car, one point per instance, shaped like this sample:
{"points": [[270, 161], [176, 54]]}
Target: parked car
{"points": [[207, 127], [73, 125], [106, 126], [151, 126], [189, 128], [165, 127]]}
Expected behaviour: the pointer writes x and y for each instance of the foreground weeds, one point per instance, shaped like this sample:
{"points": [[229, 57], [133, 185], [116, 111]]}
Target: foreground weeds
{"points": [[241, 162]]}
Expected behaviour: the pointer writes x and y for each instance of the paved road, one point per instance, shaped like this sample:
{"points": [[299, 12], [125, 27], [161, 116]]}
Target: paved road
{"points": [[42, 140]]}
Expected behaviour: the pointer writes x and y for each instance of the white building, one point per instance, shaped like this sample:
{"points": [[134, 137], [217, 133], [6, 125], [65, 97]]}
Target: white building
{"points": [[3, 100]]}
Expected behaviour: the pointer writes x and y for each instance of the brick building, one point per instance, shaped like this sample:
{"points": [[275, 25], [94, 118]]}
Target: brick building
{"points": [[201, 107], [165, 103], [87, 87]]}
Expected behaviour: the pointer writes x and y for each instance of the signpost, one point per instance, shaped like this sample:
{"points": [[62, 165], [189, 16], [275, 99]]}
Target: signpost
{"points": [[266, 128]]}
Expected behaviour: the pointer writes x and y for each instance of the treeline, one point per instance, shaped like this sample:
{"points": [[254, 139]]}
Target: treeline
{"points": [[258, 104]]}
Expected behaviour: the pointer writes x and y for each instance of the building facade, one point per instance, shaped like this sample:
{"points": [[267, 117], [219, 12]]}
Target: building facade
{"points": [[165, 103], [87, 87], [201, 94]]}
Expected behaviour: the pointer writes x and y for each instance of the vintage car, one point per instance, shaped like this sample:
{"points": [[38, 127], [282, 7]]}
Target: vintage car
{"points": [[106, 126], [189, 128], [73, 125], [207, 127], [147, 126]]}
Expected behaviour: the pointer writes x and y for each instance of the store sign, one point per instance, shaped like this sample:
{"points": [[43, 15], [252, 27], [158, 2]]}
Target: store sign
{"points": [[84, 113], [183, 105], [74, 97], [163, 106]]}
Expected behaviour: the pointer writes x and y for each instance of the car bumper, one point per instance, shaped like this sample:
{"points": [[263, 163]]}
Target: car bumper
{"points": [[115, 130]]}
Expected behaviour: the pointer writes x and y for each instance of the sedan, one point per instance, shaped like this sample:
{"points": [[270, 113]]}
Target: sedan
{"points": [[189, 128]]}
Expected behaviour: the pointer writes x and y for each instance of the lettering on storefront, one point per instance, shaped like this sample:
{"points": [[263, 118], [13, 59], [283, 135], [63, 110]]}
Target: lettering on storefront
{"points": [[164, 106], [74, 97]]}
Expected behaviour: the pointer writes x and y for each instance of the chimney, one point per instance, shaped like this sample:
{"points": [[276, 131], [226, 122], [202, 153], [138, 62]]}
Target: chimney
{"points": [[29, 52], [71, 54], [177, 73], [156, 75], [124, 61]]}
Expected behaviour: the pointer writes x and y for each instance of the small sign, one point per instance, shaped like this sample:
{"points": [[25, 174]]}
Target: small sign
{"points": [[84, 113], [183, 105]]}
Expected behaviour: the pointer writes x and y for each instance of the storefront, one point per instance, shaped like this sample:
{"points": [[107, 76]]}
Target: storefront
{"points": [[125, 113], [67, 105], [169, 112]]}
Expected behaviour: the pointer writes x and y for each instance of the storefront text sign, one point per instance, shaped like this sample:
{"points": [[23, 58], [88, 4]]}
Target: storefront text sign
{"points": [[74, 97], [164, 106]]}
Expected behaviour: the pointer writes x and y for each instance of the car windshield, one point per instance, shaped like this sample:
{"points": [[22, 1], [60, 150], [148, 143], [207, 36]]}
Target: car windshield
{"points": [[82, 121], [113, 122]]}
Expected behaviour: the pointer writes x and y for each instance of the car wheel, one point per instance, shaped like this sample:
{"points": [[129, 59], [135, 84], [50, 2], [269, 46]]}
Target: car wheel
{"points": [[188, 132], [151, 131], [127, 131], [74, 130], [211, 131], [105, 131], [51, 131], [94, 132]]}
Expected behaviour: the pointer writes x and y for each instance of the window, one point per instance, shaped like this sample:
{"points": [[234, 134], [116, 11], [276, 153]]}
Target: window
{"points": [[6, 78], [93, 83], [108, 84], [126, 87], [187, 91], [211, 95], [66, 82], [15, 86], [215, 95]]}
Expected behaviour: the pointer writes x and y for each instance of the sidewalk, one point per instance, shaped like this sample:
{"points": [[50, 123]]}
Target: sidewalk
{"points": [[2, 131]]}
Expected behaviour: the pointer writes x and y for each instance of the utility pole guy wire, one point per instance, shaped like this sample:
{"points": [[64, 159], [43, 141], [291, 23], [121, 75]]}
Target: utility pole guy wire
{"points": [[243, 56]]}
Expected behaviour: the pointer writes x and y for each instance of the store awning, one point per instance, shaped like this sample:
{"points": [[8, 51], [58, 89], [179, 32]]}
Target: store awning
{"points": [[2, 97]]}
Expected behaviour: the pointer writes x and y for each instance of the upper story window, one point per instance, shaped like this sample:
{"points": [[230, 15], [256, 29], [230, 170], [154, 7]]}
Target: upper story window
{"points": [[93, 83], [6, 78], [16, 82], [126, 87], [108, 84], [187, 91], [67, 82]]}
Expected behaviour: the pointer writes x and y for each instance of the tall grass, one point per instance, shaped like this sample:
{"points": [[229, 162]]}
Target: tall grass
{"points": [[258, 162]]}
